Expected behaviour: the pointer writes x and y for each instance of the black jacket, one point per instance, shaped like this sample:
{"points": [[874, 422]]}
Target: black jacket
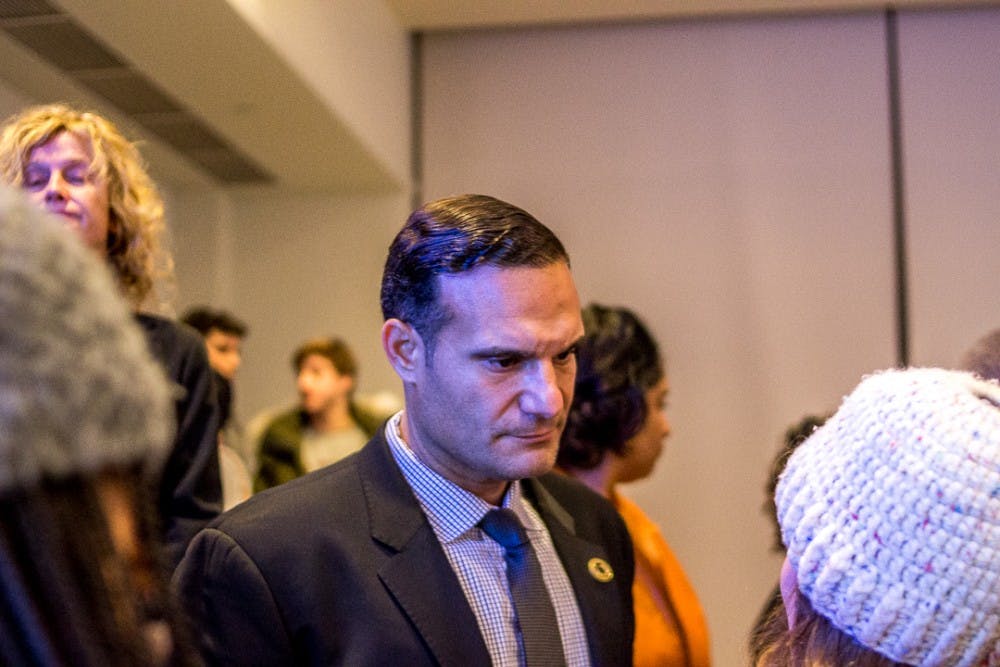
{"points": [[341, 567], [189, 493]]}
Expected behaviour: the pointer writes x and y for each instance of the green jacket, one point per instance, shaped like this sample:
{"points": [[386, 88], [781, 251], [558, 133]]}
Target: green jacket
{"points": [[279, 460]]}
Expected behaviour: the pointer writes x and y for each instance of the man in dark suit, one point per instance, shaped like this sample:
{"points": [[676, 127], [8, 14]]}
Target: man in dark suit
{"points": [[381, 559]]}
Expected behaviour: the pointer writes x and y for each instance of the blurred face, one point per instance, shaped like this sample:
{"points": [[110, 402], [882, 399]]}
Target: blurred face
{"points": [[57, 178], [491, 404], [645, 447], [136, 567], [225, 352], [320, 385]]}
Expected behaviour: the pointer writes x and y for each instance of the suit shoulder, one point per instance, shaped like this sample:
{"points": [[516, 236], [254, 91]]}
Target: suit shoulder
{"points": [[176, 335], [301, 503], [572, 493], [178, 347]]}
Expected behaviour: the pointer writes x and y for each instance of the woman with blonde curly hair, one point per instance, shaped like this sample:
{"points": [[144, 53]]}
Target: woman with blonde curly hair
{"points": [[77, 166], [132, 239]]}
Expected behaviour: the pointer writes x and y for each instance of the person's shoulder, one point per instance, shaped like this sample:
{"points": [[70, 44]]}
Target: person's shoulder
{"points": [[333, 489], [563, 486], [293, 415], [285, 427], [592, 515], [166, 329], [576, 498], [172, 341]]}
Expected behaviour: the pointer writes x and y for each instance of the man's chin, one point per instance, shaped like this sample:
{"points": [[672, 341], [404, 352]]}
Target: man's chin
{"points": [[538, 462]]}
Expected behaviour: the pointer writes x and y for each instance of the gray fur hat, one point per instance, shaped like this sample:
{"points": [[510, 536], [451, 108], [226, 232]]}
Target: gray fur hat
{"points": [[891, 515], [79, 391]]}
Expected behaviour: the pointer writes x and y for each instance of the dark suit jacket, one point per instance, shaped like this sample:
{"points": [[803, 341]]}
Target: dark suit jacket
{"points": [[341, 567], [190, 489]]}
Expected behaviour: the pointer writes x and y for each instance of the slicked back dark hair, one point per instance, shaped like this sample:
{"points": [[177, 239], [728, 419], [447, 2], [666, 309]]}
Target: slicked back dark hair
{"points": [[617, 362], [453, 235]]}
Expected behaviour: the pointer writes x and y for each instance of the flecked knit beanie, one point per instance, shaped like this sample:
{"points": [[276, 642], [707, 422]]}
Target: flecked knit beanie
{"points": [[891, 516], [78, 389]]}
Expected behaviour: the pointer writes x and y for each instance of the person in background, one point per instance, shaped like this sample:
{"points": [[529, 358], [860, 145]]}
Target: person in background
{"points": [[446, 540], [983, 358], [891, 521], [325, 426], [85, 421], [78, 167], [224, 334], [795, 435], [614, 435]]}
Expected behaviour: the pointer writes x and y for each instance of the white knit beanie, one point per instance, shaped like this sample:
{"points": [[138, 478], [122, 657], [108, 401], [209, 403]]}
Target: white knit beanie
{"points": [[891, 516], [78, 389]]}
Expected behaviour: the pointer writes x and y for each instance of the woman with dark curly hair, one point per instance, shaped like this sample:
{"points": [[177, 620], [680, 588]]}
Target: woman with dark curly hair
{"points": [[614, 434]]}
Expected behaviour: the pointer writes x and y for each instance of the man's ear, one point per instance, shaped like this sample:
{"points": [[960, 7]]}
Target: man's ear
{"points": [[404, 348]]}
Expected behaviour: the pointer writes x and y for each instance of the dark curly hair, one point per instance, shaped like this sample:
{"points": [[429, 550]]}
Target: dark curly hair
{"points": [[617, 363]]}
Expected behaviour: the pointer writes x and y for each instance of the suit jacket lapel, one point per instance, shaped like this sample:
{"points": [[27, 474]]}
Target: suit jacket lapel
{"points": [[599, 601], [418, 575]]}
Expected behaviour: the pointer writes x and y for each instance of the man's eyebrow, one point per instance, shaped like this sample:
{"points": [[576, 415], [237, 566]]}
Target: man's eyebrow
{"points": [[522, 354], [489, 352], [575, 344]]}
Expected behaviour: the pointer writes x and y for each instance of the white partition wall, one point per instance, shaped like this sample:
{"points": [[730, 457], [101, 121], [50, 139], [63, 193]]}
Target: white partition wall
{"points": [[729, 181], [950, 66], [308, 266]]}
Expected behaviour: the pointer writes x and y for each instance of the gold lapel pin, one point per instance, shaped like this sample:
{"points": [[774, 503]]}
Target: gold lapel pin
{"points": [[600, 570]]}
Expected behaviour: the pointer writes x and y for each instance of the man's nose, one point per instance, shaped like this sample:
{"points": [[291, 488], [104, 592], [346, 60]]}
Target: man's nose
{"points": [[542, 396]]}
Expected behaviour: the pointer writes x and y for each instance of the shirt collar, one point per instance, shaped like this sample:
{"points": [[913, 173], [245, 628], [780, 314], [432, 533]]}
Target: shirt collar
{"points": [[451, 510]]}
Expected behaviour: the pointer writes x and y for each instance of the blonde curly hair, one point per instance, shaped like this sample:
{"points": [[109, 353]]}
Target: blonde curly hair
{"points": [[135, 246]]}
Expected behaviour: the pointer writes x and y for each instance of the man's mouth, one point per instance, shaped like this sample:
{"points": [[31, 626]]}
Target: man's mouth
{"points": [[542, 436]]}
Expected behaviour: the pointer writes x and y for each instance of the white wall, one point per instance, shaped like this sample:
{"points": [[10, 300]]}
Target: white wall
{"points": [[951, 104], [200, 222], [293, 267], [12, 100], [728, 180], [731, 182], [351, 52]]}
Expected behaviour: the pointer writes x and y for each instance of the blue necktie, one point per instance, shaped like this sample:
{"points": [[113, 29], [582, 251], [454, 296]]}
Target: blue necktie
{"points": [[541, 645]]}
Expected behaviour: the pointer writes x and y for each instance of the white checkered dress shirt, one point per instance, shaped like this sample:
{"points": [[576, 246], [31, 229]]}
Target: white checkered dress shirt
{"points": [[478, 561]]}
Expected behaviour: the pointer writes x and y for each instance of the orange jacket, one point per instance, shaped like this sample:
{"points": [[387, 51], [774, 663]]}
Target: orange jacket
{"points": [[659, 580]]}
